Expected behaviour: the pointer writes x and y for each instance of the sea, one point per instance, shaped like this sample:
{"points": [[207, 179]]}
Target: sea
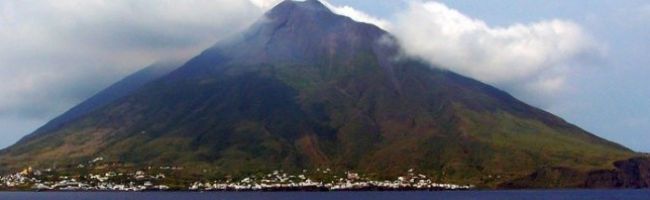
{"points": [[462, 195]]}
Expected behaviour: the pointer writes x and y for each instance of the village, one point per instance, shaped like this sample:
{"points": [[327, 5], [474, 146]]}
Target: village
{"points": [[143, 180]]}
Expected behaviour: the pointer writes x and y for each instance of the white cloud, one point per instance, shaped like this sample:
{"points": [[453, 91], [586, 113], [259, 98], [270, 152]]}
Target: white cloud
{"points": [[344, 10], [265, 4], [55, 53], [530, 59], [357, 15]]}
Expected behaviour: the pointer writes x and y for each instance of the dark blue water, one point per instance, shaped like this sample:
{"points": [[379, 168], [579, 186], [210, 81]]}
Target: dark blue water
{"points": [[462, 195]]}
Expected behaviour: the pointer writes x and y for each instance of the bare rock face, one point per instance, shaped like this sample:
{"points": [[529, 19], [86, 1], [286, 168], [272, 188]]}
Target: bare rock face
{"points": [[549, 177], [632, 173]]}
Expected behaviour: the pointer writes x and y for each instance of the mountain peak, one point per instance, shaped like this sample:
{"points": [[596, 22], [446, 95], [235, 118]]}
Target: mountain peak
{"points": [[304, 7], [308, 4], [299, 32]]}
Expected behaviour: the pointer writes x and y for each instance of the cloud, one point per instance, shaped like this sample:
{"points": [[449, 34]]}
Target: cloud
{"points": [[55, 53], [344, 10], [533, 60], [357, 15], [265, 4]]}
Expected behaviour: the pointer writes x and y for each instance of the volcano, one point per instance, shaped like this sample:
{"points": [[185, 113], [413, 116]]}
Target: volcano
{"points": [[305, 88]]}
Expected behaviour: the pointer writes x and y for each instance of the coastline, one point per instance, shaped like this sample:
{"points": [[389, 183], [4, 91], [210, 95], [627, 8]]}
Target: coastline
{"points": [[153, 180]]}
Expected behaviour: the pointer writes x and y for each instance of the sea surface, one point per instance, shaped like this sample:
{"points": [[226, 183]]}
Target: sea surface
{"points": [[497, 195]]}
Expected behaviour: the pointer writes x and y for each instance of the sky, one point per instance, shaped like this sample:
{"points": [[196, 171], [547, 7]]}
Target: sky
{"points": [[585, 61]]}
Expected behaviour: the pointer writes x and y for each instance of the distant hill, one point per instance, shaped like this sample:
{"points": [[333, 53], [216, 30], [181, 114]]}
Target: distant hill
{"points": [[305, 88]]}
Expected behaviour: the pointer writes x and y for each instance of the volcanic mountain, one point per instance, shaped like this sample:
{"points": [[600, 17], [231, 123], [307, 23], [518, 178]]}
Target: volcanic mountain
{"points": [[305, 88]]}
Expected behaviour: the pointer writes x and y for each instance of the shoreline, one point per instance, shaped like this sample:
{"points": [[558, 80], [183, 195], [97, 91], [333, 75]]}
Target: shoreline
{"points": [[263, 190], [325, 191]]}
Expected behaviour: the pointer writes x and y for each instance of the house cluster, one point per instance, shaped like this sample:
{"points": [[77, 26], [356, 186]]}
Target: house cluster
{"points": [[15, 180], [110, 181], [351, 181], [141, 180], [74, 185]]}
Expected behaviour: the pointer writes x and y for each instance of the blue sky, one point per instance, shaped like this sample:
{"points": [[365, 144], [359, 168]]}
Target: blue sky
{"points": [[586, 61]]}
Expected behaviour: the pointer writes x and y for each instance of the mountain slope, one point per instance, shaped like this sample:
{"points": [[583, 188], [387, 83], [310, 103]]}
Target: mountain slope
{"points": [[118, 90], [305, 88]]}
